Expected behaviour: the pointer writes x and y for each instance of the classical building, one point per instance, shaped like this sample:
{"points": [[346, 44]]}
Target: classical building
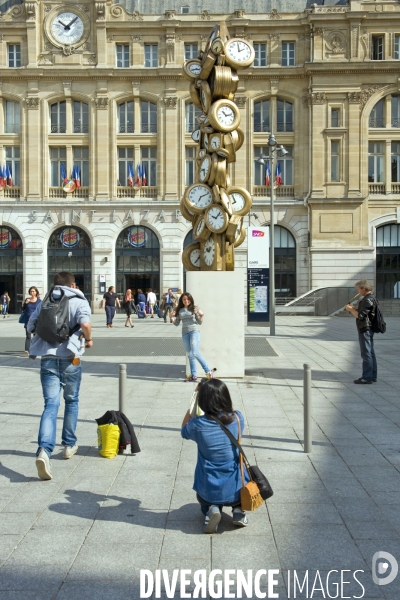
{"points": [[109, 98]]}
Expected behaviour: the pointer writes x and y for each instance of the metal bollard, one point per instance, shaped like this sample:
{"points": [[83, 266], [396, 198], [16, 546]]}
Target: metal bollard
{"points": [[307, 408], [122, 388]]}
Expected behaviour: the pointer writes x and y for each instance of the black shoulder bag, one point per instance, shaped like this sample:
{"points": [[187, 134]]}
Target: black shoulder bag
{"points": [[255, 473]]}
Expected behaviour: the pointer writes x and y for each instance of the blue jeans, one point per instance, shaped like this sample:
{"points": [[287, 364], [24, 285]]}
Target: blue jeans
{"points": [[205, 506], [110, 313], [369, 366], [57, 374], [191, 342], [4, 308], [142, 305]]}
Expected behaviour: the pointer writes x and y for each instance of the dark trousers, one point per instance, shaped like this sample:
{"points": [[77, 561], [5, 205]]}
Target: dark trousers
{"points": [[369, 366], [204, 505], [110, 312], [28, 338], [167, 309]]}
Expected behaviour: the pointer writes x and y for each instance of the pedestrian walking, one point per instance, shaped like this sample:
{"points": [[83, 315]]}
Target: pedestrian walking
{"points": [[29, 306], [141, 300], [128, 306], [168, 304], [61, 370], [191, 318], [151, 301], [110, 301], [217, 477], [365, 314], [5, 304]]}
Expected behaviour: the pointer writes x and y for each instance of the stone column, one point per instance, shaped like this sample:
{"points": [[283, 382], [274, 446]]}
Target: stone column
{"points": [[33, 135], [353, 139], [32, 32], [101, 183], [317, 100], [170, 162]]}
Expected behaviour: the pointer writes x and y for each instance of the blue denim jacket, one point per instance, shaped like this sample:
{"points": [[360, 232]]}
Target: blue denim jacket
{"points": [[217, 476]]}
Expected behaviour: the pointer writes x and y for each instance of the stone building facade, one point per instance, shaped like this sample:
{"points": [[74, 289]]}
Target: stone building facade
{"points": [[325, 81]]}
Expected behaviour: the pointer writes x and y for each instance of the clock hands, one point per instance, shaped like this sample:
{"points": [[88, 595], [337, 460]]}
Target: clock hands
{"points": [[68, 27], [73, 21], [63, 24]]}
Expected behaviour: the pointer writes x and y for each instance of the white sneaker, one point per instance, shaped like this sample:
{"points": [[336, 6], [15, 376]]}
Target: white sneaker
{"points": [[239, 517], [212, 519], [43, 465], [69, 451]]}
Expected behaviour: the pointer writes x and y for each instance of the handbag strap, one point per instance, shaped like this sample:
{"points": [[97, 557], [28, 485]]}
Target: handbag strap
{"points": [[235, 442]]}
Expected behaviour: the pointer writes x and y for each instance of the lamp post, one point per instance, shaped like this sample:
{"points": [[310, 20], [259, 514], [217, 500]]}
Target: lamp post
{"points": [[272, 143]]}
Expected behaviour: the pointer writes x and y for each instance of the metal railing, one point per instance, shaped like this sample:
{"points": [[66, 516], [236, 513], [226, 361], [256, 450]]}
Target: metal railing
{"points": [[138, 192], [282, 191], [148, 128], [376, 188], [376, 123], [58, 192], [12, 192], [126, 129], [325, 301]]}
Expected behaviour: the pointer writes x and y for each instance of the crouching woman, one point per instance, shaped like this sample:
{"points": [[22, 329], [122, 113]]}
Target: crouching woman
{"points": [[217, 477]]}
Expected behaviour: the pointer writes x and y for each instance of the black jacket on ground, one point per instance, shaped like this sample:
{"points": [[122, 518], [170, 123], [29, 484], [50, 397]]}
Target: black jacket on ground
{"points": [[128, 436], [366, 312]]}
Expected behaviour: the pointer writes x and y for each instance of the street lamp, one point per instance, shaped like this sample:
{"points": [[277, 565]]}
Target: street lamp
{"points": [[281, 151]]}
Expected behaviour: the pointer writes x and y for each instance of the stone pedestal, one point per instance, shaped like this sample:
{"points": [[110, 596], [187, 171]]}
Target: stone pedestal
{"points": [[219, 294]]}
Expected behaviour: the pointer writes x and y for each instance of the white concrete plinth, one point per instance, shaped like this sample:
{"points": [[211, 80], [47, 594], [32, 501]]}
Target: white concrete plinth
{"points": [[219, 294]]}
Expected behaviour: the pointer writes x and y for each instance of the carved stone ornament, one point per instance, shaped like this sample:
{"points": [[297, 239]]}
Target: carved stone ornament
{"points": [[204, 16], [274, 15], [240, 101], [44, 59], [354, 97], [274, 37], [47, 8], [354, 41], [116, 12], [86, 8], [30, 8], [85, 47], [136, 16], [102, 103], [48, 46], [319, 31], [315, 98], [336, 43], [136, 38], [367, 91], [17, 11], [170, 101], [239, 13], [329, 9], [91, 59], [32, 103], [170, 14], [100, 11], [67, 84], [68, 50], [110, 38]]}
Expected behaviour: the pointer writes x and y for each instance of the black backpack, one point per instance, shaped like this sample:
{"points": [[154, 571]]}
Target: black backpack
{"points": [[52, 325], [378, 324]]}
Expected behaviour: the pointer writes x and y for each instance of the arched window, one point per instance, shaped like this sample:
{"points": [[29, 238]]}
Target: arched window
{"points": [[11, 267], [69, 249], [148, 117], [81, 117], [12, 118], [125, 117], [261, 116], [137, 260], [284, 116], [388, 261], [377, 117], [58, 117], [395, 111], [191, 113]]}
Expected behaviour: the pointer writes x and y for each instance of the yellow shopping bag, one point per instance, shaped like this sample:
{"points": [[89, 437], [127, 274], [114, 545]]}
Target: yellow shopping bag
{"points": [[108, 440]]}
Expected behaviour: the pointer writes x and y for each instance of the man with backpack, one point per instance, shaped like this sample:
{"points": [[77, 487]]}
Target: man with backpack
{"points": [[366, 315], [62, 332]]}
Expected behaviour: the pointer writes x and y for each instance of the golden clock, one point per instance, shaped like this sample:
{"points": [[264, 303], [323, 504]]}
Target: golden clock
{"points": [[240, 199], [191, 257], [216, 218], [239, 54], [224, 115], [197, 197]]}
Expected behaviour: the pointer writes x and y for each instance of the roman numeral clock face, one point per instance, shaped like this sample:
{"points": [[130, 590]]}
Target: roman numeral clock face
{"points": [[67, 28]]}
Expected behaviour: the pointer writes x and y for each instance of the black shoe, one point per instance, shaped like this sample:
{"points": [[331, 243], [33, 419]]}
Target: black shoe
{"points": [[361, 380], [374, 380]]}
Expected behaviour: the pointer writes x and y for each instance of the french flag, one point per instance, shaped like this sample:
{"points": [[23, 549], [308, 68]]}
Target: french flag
{"points": [[144, 180], [278, 174], [267, 175], [139, 176], [76, 176], [2, 178], [8, 176], [131, 175], [63, 173]]}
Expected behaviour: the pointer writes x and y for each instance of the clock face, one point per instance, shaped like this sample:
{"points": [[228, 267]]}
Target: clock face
{"points": [[225, 115], [209, 251], [238, 201], [200, 196], [194, 257], [217, 46], [205, 168], [195, 68], [205, 140], [196, 135], [238, 50], [216, 218], [200, 227], [215, 142], [67, 28]]}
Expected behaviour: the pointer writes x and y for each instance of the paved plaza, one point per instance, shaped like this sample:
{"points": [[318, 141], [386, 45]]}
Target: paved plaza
{"points": [[87, 533]]}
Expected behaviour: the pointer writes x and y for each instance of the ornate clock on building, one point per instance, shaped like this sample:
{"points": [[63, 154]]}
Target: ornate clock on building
{"points": [[66, 26]]}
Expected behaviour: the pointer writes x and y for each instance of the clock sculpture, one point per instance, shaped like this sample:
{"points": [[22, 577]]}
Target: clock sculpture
{"points": [[213, 206]]}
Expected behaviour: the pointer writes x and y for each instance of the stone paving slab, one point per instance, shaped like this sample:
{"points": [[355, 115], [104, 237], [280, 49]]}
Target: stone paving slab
{"points": [[89, 531]]}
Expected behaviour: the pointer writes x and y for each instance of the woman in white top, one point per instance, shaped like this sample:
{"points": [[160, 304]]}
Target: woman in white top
{"points": [[151, 301]]}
